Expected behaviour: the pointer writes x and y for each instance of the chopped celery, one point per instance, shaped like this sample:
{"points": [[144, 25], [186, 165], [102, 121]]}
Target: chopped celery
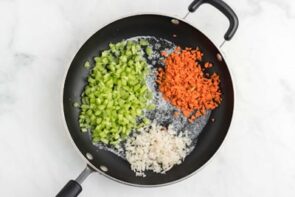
{"points": [[143, 42], [116, 93], [87, 64], [149, 51], [76, 104]]}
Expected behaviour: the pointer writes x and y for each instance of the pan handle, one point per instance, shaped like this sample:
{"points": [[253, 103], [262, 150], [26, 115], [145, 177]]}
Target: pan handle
{"points": [[225, 9], [73, 188]]}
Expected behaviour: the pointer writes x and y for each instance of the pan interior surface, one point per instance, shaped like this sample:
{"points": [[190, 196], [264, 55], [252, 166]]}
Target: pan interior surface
{"points": [[183, 35]]}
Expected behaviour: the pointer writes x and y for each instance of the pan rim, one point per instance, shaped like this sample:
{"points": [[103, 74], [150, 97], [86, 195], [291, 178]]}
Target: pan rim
{"points": [[88, 163]]}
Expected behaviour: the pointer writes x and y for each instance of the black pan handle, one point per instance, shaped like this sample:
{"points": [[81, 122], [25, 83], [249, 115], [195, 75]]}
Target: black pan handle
{"points": [[225, 9], [73, 188]]}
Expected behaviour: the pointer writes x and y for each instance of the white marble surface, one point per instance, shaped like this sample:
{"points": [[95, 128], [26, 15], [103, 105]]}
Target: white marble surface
{"points": [[38, 39]]}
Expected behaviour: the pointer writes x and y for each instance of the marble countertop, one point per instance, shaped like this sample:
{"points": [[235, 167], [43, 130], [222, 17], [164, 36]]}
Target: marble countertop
{"points": [[38, 40]]}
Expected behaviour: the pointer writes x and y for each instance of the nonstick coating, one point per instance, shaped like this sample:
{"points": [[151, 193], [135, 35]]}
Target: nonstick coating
{"points": [[161, 27]]}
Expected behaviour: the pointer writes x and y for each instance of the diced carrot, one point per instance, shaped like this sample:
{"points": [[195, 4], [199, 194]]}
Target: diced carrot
{"points": [[208, 65], [185, 85], [164, 53], [176, 114]]}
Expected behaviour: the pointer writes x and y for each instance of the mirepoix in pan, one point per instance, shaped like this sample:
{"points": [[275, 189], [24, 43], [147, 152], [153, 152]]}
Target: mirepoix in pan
{"points": [[148, 99]]}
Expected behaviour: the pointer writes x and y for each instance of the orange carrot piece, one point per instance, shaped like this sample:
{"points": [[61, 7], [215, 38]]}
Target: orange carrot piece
{"points": [[185, 85], [164, 53], [176, 114], [208, 65]]}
